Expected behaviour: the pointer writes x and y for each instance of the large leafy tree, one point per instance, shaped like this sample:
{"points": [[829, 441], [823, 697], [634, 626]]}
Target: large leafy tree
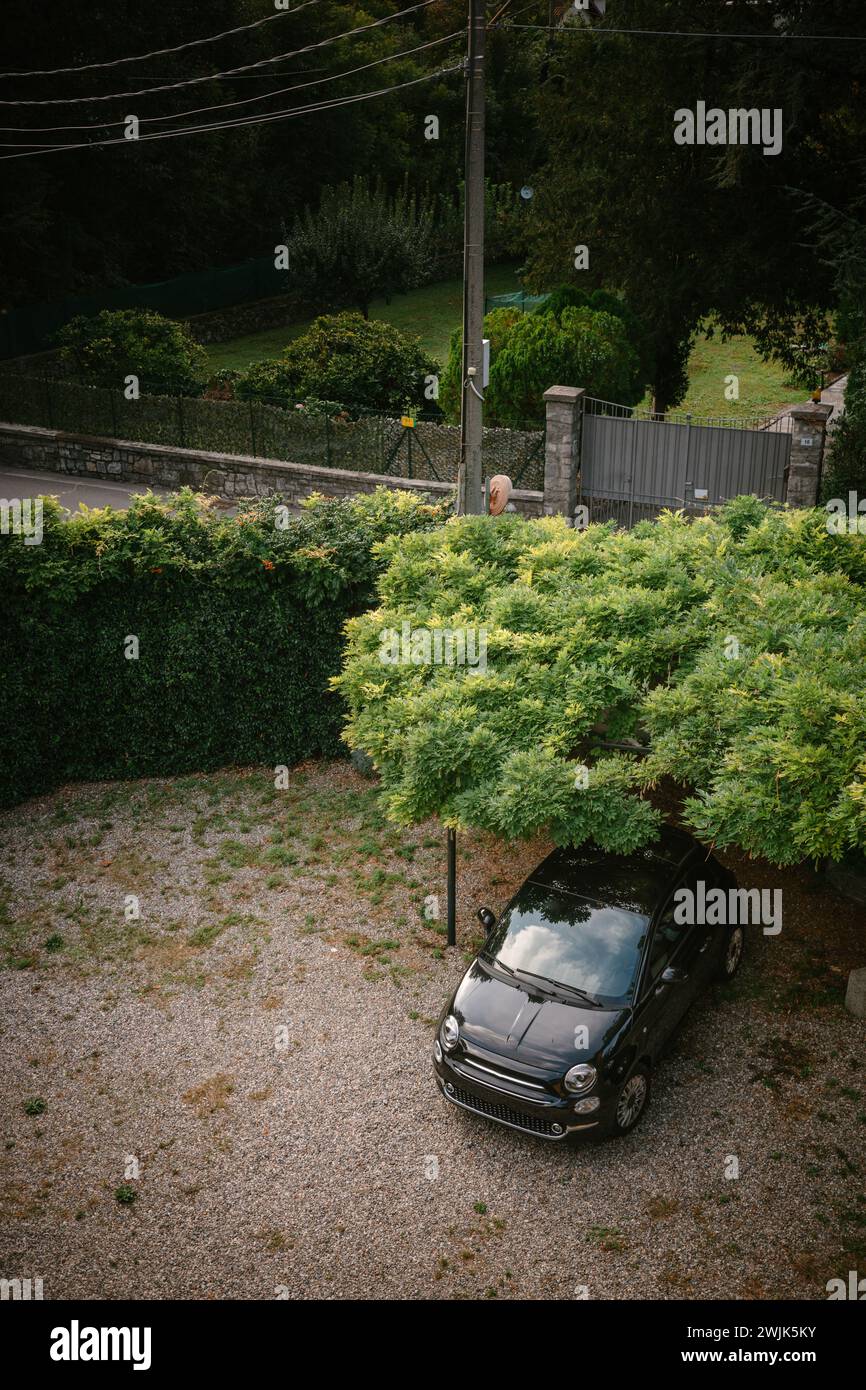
{"points": [[360, 244], [691, 231], [735, 647], [841, 238]]}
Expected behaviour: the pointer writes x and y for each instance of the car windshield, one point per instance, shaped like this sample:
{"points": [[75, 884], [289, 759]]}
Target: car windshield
{"points": [[568, 941]]}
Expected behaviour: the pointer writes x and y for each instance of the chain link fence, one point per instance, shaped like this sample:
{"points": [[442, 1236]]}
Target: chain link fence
{"points": [[411, 447]]}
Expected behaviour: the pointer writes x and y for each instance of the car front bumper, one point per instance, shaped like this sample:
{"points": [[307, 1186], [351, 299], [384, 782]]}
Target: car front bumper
{"points": [[501, 1101]]}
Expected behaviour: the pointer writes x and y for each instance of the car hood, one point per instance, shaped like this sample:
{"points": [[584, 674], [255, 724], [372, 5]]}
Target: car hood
{"points": [[511, 1017]]}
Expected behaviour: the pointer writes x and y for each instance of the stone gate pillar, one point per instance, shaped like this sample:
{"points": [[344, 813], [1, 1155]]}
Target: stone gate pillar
{"points": [[563, 405], [808, 435]]}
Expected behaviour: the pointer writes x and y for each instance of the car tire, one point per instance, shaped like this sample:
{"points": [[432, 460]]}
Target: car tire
{"points": [[732, 954], [631, 1102]]}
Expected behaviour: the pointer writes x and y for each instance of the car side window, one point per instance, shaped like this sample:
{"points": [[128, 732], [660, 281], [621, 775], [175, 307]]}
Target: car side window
{"points": [[667, 937]]}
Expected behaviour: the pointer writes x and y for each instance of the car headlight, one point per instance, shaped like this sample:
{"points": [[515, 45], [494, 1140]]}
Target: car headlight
{"points": [[450, 1033], [581, 1077]]}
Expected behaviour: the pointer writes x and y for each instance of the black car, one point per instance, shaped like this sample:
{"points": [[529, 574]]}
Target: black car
{"points": [[557, 1025]]}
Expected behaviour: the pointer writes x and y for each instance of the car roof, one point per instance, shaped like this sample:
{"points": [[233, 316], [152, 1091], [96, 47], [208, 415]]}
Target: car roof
{"points": [[635, 882]]}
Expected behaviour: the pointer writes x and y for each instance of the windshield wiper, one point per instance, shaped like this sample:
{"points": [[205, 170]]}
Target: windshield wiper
{"points": [[554, 985], [500, 964], [551, 985]]}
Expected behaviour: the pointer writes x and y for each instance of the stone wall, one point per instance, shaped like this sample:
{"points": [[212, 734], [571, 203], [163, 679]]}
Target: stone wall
{"points": [[238, 320], [224, 475], [808, 435]]}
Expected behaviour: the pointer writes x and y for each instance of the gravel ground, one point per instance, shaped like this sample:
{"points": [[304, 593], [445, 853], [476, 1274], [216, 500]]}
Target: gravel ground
{"points": [[249, 1060]]}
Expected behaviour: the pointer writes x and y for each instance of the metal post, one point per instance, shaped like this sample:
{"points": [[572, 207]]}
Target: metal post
{"points": [[452, 887], [252, 428], [469, 498], [688, 482], [180, 420], [48, 403]]}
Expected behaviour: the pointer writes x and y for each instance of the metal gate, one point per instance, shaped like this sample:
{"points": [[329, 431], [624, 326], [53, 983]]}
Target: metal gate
{"points": [[634, 465]]}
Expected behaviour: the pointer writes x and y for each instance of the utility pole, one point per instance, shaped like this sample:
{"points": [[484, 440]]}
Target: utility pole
{"points": [[469, 483]]}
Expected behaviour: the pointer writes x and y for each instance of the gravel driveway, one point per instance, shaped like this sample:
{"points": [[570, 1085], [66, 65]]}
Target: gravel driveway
{"points": [[230, 1094]]}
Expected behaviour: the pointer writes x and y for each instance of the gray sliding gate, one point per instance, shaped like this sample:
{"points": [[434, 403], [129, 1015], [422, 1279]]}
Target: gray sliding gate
{"points": [[633, 465]]}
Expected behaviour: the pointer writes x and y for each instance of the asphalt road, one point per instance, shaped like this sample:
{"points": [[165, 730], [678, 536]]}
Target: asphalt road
{"points": [[22, 483]]}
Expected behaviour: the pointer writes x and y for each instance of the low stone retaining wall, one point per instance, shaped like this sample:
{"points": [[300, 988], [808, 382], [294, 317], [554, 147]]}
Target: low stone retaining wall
{"points": [[220, 325], [224, 475]]}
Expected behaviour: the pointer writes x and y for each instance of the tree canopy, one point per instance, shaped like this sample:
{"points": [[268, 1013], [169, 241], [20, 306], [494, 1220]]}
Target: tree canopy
{"points": [[734, 646], [142, 212], [578, 346], [358, 245], [687, 231]]}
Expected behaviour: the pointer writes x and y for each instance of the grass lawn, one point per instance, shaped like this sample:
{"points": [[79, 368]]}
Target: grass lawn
{"points": [[434, 311], [765, 387], [430, 313]]}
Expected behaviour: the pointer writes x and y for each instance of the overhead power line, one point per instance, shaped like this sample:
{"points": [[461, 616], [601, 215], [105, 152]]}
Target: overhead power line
{"points": [[221, 106], [161, 52], [246, 67], [595, 29], [288, 114]]}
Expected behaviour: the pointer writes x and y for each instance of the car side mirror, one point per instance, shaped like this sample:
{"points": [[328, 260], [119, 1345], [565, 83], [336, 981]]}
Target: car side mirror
{"points": [[673, 975], [487, 919]]}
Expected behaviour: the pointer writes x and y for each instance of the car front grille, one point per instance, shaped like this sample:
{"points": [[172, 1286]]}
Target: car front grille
{"points": [[539, 1092], [503, 1113]]}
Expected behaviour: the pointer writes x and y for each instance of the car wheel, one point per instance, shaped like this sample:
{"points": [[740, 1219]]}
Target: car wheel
{"points": [[631, 1101], [732, 957]]}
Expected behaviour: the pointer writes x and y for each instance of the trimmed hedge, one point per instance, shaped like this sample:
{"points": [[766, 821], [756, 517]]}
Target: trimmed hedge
{"points": [[239, 622]]}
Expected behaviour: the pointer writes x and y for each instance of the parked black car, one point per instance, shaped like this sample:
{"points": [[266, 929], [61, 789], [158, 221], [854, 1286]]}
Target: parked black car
{"points": [[557, 1025]]}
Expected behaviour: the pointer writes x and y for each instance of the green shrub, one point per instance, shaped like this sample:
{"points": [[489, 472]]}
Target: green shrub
{"points": [[118, 343], [605, 302], [735, 644], [239, 626], [362, 363], [530, 352]]}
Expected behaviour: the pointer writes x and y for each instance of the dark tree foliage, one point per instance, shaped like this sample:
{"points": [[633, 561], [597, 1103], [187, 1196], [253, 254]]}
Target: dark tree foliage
{"points": [[359, 245], [80, 220], [688, 231]]}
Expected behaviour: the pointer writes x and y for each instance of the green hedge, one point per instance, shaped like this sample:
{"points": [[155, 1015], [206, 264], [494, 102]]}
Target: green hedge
{"points": [[239, 621]]}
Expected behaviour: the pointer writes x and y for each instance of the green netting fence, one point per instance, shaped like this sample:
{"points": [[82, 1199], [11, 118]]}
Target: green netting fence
{"points": [[524, 302], [30, 328], [374, 443]]}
